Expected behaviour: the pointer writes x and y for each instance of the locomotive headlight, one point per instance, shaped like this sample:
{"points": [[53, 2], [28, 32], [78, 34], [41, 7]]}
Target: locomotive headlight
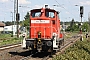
{"points": [[49, 43], [39, 41]]}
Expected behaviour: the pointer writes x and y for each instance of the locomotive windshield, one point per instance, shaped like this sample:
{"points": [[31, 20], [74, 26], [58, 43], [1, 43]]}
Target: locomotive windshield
{"points": [[49, 13], [36, 13]]}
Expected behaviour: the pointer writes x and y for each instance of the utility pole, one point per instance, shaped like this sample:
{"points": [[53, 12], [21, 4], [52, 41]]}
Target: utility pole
{"points": [[17, 19]]}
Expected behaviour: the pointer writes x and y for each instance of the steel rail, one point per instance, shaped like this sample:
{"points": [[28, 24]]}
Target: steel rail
{"points": [[9, 46]]}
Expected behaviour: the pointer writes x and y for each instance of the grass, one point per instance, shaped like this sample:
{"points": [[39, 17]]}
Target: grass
{"points": [[6, 39], [10, 41], [79, 51], [5, 36], [69, 34]]}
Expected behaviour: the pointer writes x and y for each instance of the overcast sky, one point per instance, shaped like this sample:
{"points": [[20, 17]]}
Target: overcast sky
{"points": [[67, 8]]}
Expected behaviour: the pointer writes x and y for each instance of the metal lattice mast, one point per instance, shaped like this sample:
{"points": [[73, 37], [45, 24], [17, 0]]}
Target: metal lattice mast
{"points": [[14, 11], [14, 14]]}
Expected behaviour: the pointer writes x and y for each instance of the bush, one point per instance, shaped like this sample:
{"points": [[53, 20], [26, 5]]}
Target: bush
{"points": [[79, 51]]}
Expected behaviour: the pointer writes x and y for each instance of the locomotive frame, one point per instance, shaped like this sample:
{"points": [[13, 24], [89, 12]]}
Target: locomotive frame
{"points": [[45, 32]]}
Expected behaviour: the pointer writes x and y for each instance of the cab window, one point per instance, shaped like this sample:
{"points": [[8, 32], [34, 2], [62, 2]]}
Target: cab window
{"points": [[49, 14], [36, 13]]}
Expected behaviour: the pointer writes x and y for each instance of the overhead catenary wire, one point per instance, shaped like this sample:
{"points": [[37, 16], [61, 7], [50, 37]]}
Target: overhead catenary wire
{"points": [[64, 7]]}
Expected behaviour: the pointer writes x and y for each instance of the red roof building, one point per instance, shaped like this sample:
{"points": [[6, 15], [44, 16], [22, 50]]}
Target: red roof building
{"points": [[2, 26]]}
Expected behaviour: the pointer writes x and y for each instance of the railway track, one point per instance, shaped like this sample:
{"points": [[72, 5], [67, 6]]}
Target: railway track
{"points": [[9, 46], [15, 52], [68, 42]]}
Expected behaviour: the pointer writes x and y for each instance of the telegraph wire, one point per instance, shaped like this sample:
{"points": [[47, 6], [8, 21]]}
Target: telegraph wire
{"points": [[63, 7]]}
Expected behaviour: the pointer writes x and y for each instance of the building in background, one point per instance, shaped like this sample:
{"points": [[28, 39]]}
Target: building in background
{"points": [[11, 28], [1, 27]]}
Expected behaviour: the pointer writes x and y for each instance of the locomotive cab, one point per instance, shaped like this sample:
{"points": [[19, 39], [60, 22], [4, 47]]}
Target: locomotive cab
{"points": [[44, 30]]}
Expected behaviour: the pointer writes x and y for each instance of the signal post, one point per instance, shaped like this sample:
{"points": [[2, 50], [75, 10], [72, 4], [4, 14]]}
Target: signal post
{"points": [[81, 15]]}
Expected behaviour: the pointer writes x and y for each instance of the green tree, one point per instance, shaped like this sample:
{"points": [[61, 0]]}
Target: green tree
{"points": [[8, 23], [76, 28], [27, 16], [27, 19], [72, 23], [71, 27], [85, 26]]}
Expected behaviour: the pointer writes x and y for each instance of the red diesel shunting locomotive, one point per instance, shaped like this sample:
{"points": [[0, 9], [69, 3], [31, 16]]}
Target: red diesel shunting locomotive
{"points": [[45, 32]]}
